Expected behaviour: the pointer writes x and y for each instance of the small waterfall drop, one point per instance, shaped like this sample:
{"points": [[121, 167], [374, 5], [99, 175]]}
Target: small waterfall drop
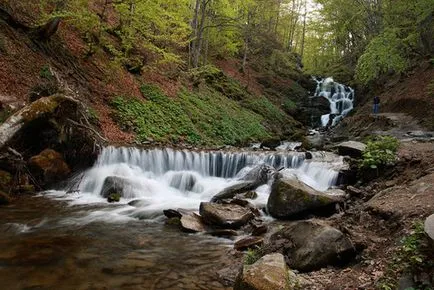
{"points": [[340, 97], [166, 178]]}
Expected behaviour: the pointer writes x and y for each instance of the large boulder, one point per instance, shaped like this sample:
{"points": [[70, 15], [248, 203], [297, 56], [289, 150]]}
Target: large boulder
{"points": [[225, 215], [49, 167], [260, 174], [268, 273], [351, 148], [114, 185], [290, 197], [184, 181], [310, 245]]}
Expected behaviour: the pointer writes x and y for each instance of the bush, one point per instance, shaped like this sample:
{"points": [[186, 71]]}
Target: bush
{"points": [[251, 256], [413, 257], [380, 151]]}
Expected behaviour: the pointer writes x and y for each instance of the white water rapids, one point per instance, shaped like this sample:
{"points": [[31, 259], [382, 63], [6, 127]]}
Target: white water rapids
{"points": [[167, 178]]}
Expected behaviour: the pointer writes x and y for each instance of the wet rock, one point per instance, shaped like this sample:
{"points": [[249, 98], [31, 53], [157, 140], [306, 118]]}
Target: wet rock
{"points": [[192, 223], [291, 197], [183, 181], [49, 166], [250, 195], [225, 233], [4, 198], [114, 185], [269, 272], [310, 245], [429, 226], [114, 197], [248, 242], [308, 155], [259, 230], [351, 148], [225, 215], [171, 213], [260, 174], [233, 190], [139, 203], [271, 143]]}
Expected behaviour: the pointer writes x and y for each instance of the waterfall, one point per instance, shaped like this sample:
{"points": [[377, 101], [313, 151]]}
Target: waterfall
{"points": [[166, 178], [340, 97]]}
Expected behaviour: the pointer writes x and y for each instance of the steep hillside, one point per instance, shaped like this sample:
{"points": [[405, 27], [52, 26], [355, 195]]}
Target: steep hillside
{"points": [[205, 106]]}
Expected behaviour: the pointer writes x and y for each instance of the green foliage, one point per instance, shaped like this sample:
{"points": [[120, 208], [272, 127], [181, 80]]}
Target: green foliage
{"points": [[384, 54], [413, 257], [114, 197], [206, 118], [266, 108], [45, 73], [379, 152], [251, 256], [289, 106]]}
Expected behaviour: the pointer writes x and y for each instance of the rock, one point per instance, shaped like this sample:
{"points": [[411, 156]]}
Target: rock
{"points": [[260, 174], [233, 190], [139, 203], [114, 197], [192, 223], [353, 191], [248, 242], [49, 166], [184, 181], [308, 155], [406, 282], [291, 197], [250, 195], [268, 273], [429, 226], [171, 213], [310, 245], [225, 215], [4, 198], [225, 233], [257, 176], [114, 185], [259, 230], [271, 143], [351, 148]]}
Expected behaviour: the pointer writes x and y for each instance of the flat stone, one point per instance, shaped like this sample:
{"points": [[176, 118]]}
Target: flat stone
{"points": [[225, 215], [248, 242], [351, 148], [192, 223]]}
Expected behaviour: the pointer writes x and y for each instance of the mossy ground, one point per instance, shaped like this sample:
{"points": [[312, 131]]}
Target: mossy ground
{"points": [[204, 116]]}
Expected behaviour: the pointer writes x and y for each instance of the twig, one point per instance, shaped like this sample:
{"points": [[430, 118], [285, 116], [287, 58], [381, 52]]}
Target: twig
{"points": [[89, 128]]}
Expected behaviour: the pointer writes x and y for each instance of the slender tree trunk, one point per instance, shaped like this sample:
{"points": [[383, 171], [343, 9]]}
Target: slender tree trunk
{"points": [[193, 42], [304, 30]]}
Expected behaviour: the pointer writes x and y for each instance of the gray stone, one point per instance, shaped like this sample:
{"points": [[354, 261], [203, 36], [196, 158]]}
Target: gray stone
{"points": [[351, 148], [429, 226], [235, 189], [192, 223], [310, 245], [113, 185], [291, 197], [225, 215]]}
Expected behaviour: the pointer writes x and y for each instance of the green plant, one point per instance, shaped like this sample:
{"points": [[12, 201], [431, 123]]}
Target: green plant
{"points": [[45, 73], [252, 255], [413, 257], [379, 151]]}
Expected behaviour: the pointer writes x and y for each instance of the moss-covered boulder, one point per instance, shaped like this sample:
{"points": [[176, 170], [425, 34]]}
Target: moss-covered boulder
{"points": [[269, 272], [49, 167], [291, 197]]}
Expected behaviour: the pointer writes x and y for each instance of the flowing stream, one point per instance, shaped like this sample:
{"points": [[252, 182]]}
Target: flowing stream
{"points": [[74, 239]]}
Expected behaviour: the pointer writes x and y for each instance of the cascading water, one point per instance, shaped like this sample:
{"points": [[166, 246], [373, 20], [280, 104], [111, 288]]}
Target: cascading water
{"points": [[340, 97], [167, 178]]}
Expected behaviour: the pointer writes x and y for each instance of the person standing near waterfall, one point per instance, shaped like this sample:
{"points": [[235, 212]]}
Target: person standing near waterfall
{"points": [[376, 105]]}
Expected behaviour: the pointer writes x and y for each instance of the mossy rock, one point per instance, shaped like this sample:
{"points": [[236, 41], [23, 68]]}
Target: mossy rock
{"points": [[114, 197]]}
